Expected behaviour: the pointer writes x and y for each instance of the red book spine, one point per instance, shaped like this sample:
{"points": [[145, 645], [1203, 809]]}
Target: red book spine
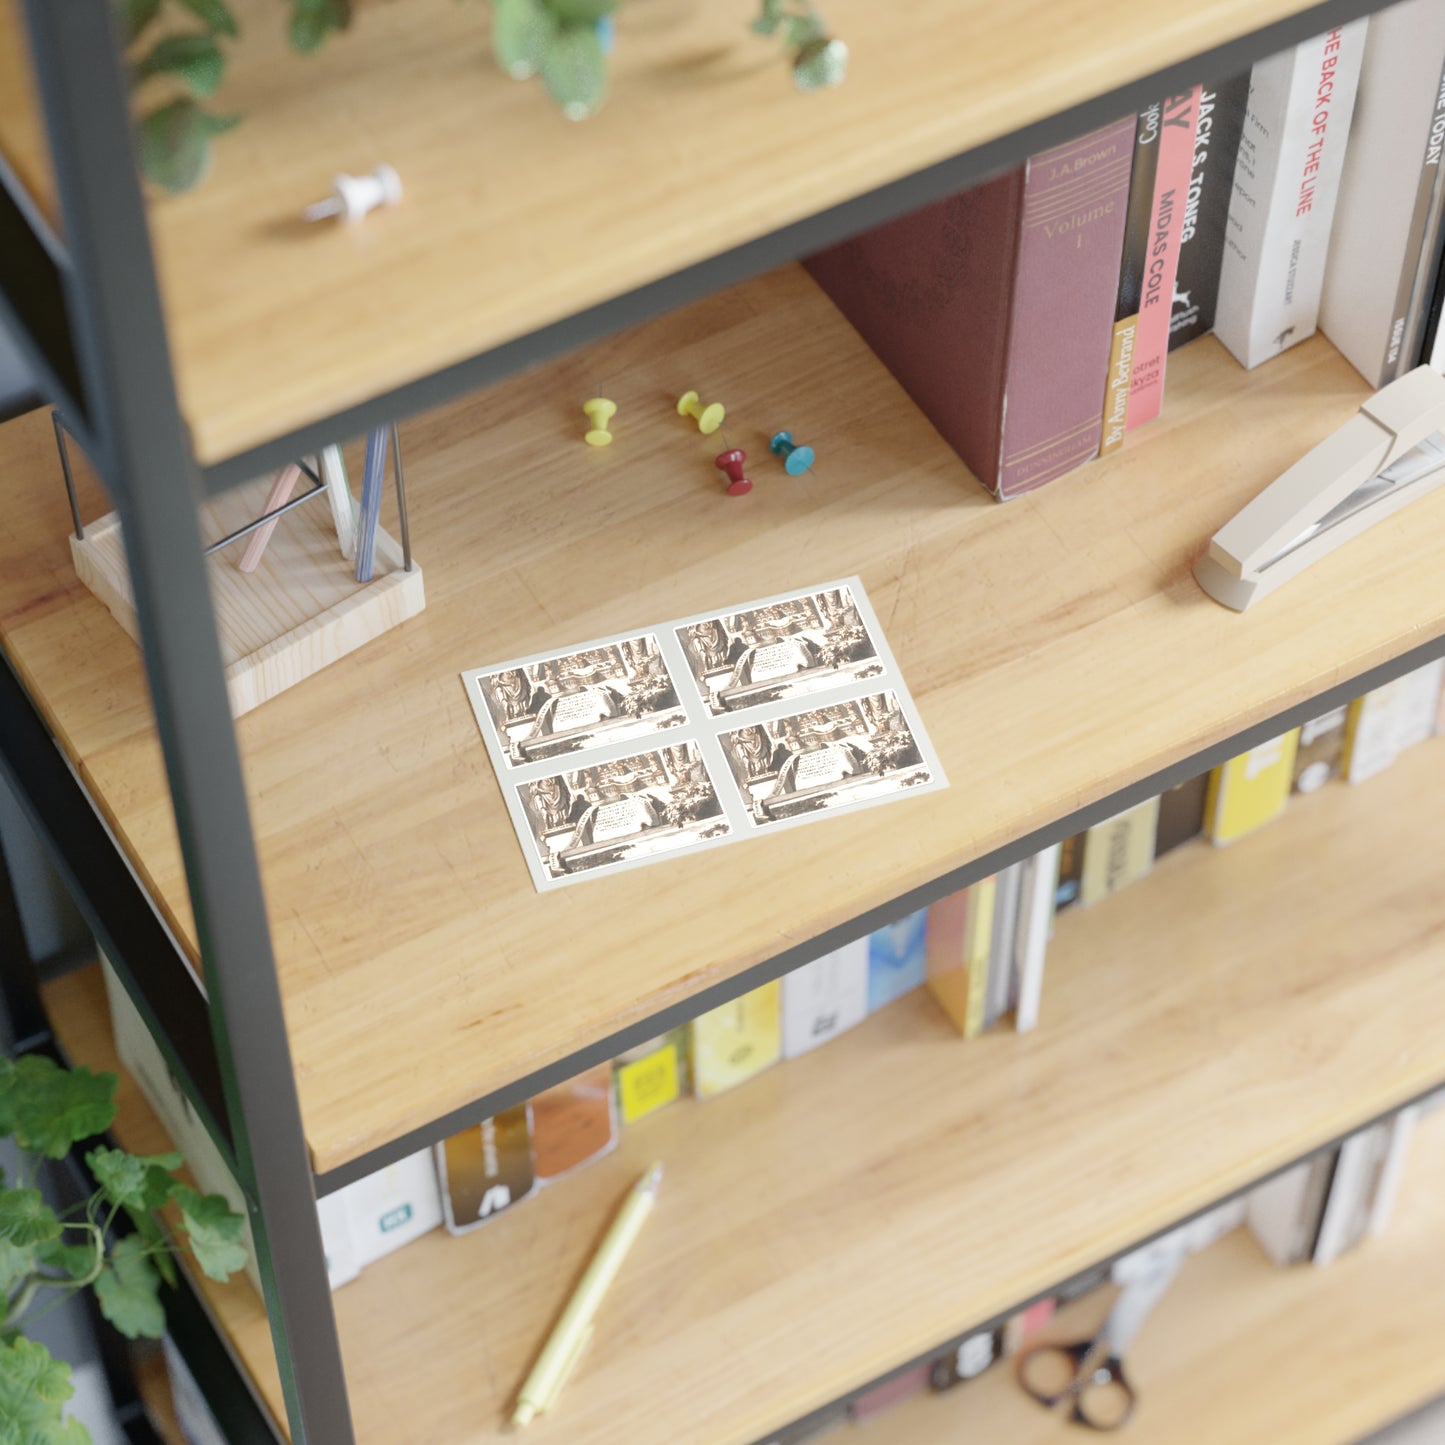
{"points": [[1171, 192], [994, 308]]}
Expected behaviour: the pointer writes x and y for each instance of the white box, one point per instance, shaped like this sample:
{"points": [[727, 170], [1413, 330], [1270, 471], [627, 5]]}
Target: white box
{"points": [[359, 1223], [825, 998]]}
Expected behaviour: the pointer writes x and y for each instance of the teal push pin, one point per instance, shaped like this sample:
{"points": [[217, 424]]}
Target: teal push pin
{"points": [[796, 460]]}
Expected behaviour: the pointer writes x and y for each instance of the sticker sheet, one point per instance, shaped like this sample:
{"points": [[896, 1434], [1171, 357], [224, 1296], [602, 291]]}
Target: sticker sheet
{"points": [[699, 732]]}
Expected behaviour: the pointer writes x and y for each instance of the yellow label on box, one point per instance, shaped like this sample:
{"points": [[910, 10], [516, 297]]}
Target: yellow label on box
{"points": [[648, 1084], [736, 1041]]}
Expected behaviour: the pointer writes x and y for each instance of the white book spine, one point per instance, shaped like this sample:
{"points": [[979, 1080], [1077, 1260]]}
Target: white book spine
{"points": [[1286, 182], [1036, 918], [1387, 190], [1002, 945], [824, 998], [1351, 1178], [1387, 1186]]}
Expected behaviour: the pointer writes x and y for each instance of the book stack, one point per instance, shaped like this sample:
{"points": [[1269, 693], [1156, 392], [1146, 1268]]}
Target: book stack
{"points": [[1031, 317]]}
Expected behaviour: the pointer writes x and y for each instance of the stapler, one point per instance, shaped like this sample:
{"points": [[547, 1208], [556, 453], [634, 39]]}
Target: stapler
{"points": [[1381, 459]]}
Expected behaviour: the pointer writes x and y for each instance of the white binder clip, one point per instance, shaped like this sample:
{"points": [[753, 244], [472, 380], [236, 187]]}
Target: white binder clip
{"points": [[1380, 460], [353, 196]]}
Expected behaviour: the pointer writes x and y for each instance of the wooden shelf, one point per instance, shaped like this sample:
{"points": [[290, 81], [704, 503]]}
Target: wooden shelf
{"points": [[515, 217], [1057, 647], [847, 1211], [23, 146], [1242, 1351]]}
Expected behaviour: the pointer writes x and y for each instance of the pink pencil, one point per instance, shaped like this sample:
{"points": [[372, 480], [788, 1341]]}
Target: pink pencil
{"points": [[281, 490]]}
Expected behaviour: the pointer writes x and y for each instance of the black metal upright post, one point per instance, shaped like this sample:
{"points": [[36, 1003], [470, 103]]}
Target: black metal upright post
{"points": [[143, 453]]}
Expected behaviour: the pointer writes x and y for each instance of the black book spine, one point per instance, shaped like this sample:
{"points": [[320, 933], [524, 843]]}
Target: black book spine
{"points": [[1206, 211], [1139, 219]]}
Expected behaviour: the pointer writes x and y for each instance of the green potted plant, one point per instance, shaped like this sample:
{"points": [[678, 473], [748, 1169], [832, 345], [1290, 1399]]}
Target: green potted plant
{"points": [[46, 1256]]}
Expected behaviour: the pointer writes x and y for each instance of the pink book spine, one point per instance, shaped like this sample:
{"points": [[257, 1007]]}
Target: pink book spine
{"points": [[1171, 191], [1070, 238]]}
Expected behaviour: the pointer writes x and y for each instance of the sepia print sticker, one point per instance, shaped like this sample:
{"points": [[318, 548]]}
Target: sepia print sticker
{"points": [[854, 750], [574, 702], [777, 651], [628, 810]]}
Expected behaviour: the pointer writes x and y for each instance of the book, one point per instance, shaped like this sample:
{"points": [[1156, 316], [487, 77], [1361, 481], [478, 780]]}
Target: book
{"points": [[486, 1169], [1129, 293], [825, 998], [1388, 190], [993, 307], [1400, 1130], [1342, 1224], [966, 1362], [1023, 1324], [1118, 851], [1286, 180], [1251, 790], [1071, 870], [737, 1040], [1002, 978], [1206, 209], [1037, 892], [1321, 750], [891, 1392], [651, 1075], [573, 1123], [1171, 191], [1284, 1213], [960, 938], [897, 961], [1181, 814], [1385, 721]]}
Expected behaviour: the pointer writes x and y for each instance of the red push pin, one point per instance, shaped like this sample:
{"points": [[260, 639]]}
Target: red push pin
{"points": [[731, 462]]}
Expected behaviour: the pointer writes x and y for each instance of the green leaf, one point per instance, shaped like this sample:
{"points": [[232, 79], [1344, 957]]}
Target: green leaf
{"points": [[769, 17], [53, 1108], [74, 1261], [133, 1180], [25, 1218], [33, 1390], [820, 63], [128, 1290], [574, 70], [215, 15], [804, 30], [195, 60], [215, 1231], [313, 20], [175, 145], [135, 15], [156, 1241], [522, 31], [16, 1261], [581, 12]]}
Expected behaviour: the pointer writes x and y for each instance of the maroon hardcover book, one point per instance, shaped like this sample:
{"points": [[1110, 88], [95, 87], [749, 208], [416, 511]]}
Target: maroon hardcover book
{"points": [[995, 307]]}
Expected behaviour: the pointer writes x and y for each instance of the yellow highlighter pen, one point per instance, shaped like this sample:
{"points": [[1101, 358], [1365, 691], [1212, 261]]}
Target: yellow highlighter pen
{"points": [[568, 1338]]}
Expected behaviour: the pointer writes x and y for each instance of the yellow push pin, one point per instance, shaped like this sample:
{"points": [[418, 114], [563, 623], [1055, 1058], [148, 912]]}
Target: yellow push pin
{"points": [[599, 411], [709, 418]]}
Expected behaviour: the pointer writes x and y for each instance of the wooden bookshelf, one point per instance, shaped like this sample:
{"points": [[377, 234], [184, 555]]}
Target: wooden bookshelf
{"points": [[1243, 1351], [848, 1211], [703, 145], [1057, 648], [23, 146]]}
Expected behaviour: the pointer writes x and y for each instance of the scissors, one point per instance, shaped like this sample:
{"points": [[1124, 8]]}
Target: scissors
{"points": [[1089, 1374]]}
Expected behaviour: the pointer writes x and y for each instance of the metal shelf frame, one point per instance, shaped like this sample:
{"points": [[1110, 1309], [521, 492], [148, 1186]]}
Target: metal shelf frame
{"points": [[87, 313]]}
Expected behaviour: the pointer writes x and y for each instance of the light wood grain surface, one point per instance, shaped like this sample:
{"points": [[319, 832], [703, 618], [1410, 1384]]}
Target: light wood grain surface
{"points": [[1057, 648], [297, 611], [844, 1212], [1244, 1352], [22, 129], [514, 217]]}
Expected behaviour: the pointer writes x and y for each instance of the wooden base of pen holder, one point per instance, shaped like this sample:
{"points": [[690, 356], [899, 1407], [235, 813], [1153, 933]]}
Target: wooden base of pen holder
{"points": [[300, 610]]}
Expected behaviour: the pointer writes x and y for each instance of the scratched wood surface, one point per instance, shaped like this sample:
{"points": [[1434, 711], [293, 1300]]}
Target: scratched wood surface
{"points": [[1057, 647], [844, 1212]]}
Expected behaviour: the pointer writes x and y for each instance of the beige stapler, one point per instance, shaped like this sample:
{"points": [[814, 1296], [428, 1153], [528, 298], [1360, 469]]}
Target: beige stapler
{"points": [[1390, 453]]}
